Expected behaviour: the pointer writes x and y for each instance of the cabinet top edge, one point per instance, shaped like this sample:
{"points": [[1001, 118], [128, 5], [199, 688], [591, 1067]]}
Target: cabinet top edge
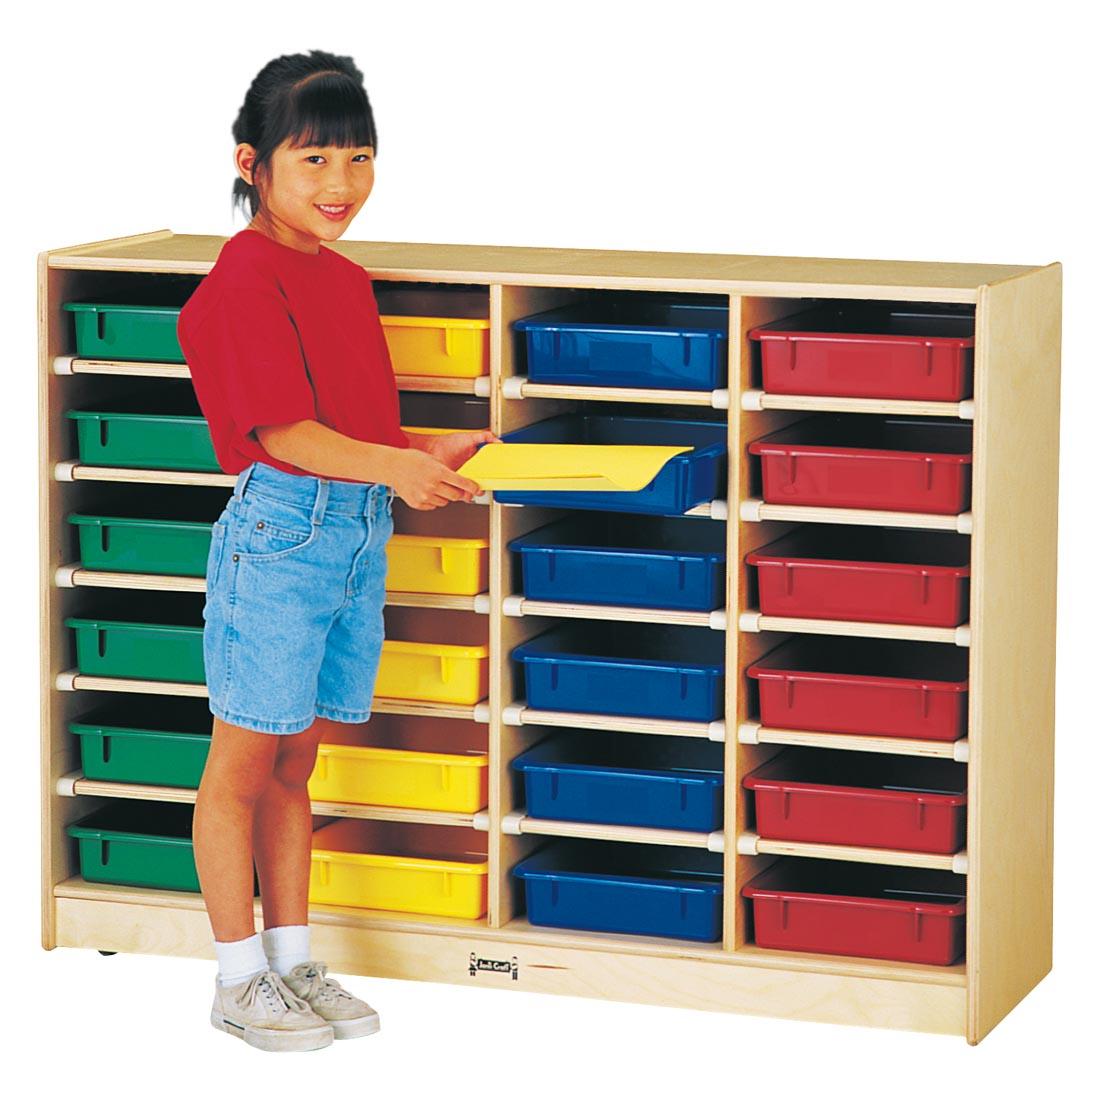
{"points": [[180, 253]]}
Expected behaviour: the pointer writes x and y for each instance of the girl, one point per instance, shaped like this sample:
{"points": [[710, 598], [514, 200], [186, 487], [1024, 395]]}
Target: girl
{"points": [[291, 370]]}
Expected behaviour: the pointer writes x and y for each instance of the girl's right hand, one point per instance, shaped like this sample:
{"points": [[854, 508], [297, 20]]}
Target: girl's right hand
{"points": [[423, 482]]}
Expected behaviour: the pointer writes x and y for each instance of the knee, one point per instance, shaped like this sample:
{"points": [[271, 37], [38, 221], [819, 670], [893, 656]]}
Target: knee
{"points": [[244, 786], [294, 767]]}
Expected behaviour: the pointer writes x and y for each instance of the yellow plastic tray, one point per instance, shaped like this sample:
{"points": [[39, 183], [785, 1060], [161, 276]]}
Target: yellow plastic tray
{"points": [[421, 767], [449, 347], [433, 672], [443, 566], [421, 869], [567, 467], [431, 431]]}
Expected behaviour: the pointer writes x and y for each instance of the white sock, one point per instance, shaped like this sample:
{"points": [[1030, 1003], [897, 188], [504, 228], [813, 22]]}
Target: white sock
{"points": [[240, 960], [286, 947]]}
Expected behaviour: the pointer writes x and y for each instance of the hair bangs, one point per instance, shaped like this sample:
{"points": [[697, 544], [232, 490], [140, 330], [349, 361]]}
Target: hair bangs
{"points": [[327, 110]]}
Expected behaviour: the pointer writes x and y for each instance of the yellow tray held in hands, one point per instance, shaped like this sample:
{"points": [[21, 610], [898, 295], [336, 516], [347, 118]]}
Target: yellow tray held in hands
{"points": [[433, 672], [439, 347], [412, 868], [437, 565], [568, 467]]}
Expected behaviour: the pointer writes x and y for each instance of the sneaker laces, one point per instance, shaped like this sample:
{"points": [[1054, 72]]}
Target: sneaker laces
{"points": [[324, 989], [276, 995]]}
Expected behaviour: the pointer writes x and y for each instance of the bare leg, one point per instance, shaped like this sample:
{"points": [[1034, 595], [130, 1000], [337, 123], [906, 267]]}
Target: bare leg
{"points": [[283, 829], [237, 772]]}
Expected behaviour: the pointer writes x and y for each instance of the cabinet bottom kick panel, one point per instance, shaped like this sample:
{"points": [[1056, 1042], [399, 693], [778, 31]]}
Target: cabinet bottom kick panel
{"points": [[712, 981]]}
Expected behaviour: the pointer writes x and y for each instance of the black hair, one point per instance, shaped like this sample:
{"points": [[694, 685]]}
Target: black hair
{"points": [[311, 99]]}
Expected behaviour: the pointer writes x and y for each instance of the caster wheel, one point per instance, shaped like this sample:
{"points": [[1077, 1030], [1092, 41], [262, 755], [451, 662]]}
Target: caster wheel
{"points": [[108, 953]]}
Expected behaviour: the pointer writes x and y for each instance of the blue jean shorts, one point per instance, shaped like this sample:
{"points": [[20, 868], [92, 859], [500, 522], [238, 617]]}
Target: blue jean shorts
{"points": [[295, 586]]}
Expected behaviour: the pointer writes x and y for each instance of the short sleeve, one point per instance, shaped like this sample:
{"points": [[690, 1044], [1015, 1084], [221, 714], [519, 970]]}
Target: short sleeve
{"points": [[249, 338]]}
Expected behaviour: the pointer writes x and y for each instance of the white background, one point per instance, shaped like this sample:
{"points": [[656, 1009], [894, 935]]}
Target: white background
{"points": [[952, 132]]}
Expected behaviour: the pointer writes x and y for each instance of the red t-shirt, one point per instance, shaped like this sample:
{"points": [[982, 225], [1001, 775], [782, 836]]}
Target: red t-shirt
{"points": [[274, 335]]}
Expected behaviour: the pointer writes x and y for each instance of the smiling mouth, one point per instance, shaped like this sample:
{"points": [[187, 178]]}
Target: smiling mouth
{"points": [[334, 213]]}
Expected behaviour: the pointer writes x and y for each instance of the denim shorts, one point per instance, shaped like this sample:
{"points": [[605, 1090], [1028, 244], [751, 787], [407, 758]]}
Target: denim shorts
{"points": [[295, 586]]}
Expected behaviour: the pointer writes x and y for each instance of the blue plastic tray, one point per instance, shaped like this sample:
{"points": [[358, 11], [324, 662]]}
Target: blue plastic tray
{"points": [[624, 779], [626, 561], [640, 889], [629, 340], [643, 670], [683, 482]]}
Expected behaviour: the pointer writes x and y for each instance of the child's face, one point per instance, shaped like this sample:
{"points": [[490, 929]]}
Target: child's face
{"points": [[303, 181]]}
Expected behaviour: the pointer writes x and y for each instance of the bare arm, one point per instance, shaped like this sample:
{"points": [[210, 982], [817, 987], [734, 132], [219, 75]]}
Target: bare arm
{"points": [[419, 442], [420, 479], [313, 446]]}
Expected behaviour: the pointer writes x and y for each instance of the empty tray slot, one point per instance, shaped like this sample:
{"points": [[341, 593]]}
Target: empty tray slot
{"points": [[443, 411]]}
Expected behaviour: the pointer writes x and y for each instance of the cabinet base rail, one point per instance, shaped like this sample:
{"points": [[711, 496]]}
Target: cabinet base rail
{"points": [[649, 972]]}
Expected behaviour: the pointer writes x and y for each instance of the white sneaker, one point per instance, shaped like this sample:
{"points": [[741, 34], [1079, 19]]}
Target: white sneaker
{"points": [[349, 1016], [266, 1014]]}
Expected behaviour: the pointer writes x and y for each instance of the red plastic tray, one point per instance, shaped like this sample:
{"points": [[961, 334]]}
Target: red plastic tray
{"points": [[856, 461], [863, 799], [856, 350], [869, 574], [906, 914], [871, 686]]}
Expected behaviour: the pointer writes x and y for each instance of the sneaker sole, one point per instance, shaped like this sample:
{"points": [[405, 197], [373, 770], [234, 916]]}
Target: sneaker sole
{"points": [[355, 1029], [305, 1039]]}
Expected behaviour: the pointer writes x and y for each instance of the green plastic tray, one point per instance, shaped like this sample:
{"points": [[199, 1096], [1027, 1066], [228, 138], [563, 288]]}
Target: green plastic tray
{"points": [[125, 544], [154, 440], [106, 330], [156, 643], [138, 844], [157, 741]]}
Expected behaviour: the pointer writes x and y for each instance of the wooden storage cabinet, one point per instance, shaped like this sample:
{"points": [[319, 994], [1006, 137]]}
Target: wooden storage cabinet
{"points": [[1008, 748]]}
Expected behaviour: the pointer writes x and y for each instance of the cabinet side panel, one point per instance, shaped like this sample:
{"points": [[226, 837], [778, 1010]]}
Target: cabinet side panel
{"points": [[44, 593], [1013, 597]]}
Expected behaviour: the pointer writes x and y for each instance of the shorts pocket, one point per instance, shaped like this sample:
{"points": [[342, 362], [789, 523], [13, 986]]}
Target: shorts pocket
{"points": [[274, 528], [214, 557]]}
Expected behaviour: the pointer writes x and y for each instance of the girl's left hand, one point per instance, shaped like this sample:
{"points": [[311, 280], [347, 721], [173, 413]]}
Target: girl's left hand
{"points": [[456, 448]]}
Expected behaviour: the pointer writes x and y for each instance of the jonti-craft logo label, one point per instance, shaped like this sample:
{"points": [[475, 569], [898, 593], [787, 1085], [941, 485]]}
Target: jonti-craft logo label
{"points": [[496, 966]]}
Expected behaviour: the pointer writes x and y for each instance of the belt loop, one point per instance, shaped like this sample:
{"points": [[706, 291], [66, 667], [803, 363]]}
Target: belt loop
{"points": [[242, 481], [322, 500]]}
